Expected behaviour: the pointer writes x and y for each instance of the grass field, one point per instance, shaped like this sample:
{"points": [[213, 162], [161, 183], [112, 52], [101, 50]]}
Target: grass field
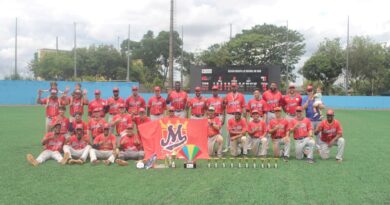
{"points": [[362, 178]]}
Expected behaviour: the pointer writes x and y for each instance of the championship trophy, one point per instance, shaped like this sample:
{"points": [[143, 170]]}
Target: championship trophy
{"points": [[262, 162], [269, 162], [276, 162], [231, 162], [173, 164], [216, 162], [223, 163], [239, 162], [254, 162], [190, 152], [246, 162]]}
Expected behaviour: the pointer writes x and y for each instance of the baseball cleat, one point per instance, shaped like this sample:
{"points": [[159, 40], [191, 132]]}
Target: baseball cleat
{"points": [[75, 161], [339, 161], [285, 159], [106, 162], [310, 161], [31, 160], [121, 162], [65, 159], [95, 162]]}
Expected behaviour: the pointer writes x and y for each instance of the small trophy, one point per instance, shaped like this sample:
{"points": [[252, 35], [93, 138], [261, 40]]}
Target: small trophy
{"points": [[246, 162], [262, 162], [269, 162], [254, 163], [215, 162], [190, 152], [173, 164], [166, 162], [231, 162], [209, 163], [239, 162], [276, 162], [223, 163]]}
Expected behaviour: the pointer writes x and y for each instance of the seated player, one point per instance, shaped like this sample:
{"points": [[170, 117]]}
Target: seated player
{"points": [[279, 130], [214, 133], [65, 125], [237, 130], [95, 124], [129, 147], [78, 120], [257, 130], [121, 120], [103, 147], [77, 146], [141, 118], [52, 142]]}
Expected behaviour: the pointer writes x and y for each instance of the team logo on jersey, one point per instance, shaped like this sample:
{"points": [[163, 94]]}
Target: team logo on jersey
{"points": [[174, 134]]}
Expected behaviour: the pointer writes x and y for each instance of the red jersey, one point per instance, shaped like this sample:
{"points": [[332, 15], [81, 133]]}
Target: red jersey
{"points": [[259, 105], [134, 103], [156, 105], [290, 103], [54, 144], [329, 131], [260, 125], [281, 132], [97, 104], [75, 123], [76, 105], [178, 100], [211, 130], [217, 103], [304, 126], [52, 105], [236, 126], [77, 144], [234, 101], [107, 143], [127, 143], [114, 105], [96, 126], [197, 105], [64, 123], [125, 119], [138, 120], [273, 99]]}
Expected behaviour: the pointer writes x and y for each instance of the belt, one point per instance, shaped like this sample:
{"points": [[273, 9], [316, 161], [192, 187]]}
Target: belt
{"points": [[278, 137], [300, 138], [198, 115], [178, 110], [272, 111], [156, 114], [292, 115], [232, 113], [217, 115]]}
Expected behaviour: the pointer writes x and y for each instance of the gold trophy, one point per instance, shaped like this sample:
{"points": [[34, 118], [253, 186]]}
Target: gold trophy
{"points": [[173, 165], [216, 162], [269, 162], [254, 162], [262, 162], [209, 163], [223, 163], [231, 162], [239, 162], [276, 162]]}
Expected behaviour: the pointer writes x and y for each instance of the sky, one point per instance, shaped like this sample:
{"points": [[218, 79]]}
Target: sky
{"points": [[204, 22]]}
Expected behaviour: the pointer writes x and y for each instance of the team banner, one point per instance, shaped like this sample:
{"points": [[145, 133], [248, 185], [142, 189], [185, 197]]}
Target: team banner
{"points": [[168, 136]]}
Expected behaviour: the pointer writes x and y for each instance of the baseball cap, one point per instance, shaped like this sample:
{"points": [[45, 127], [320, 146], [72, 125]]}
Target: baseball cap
{"points": [[299, 109], [54, 91], [234, 84], [157, 88], [238, 110], [134, 88], [309, 88], [214, 87], [77, 91], [79, 126], [97, 92], [211, 108], [54, 123], [141, 110], [130, 126], [197, 88], [277, 109], [98, 109], [115, 89], [330, 112], [171, 108], [106, 126], [255, 111], [121, 105], [291, 85]]}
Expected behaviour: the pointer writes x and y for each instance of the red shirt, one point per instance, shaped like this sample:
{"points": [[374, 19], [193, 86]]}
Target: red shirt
{"points": [[97, 104], [127, 143], [157, 105], [125, 119], [273, 99], [217, 103], [96, 126], [114, 105], [54, 144], [197, 105], [138, 120], [236, 126], [64, 123], [76, 105], [77, 144], [52, 105], [234, 101], [303, 128], [281, 132], [211, 130], [290, 103], [329, 131], [107, 142], [85, 125], [178, 100], [260, 125], [259, 105], [134, 103]]}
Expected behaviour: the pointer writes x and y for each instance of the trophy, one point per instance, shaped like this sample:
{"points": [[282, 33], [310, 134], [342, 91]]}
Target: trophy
{"points": [[262, 162], [231, 162], [276, 162], [223, 163], [246, 162], [166, 162], [190, 152], [239, 162], [209, 163], [215, 162], [269, 162], [173, 155], [254, 162]]}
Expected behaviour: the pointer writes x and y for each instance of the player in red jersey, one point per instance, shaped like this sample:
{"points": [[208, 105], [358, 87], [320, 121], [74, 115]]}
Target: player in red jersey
{"points": [[214, 133], [129, 147], [178, 100], [77, 146], [279, 130], [273, 97], [197, 105], [237, 130], [95, 124], [78, 120], [257, 130], [65, 124], [331, 134], [303, 135], [113, 104], [156, 105], [121, 120], [218, 104], [52, 142], [135, 102], [97, 103], [76, 103], [52, 103], [141, 118], [103, 147], [291, 101], [256, 103]]}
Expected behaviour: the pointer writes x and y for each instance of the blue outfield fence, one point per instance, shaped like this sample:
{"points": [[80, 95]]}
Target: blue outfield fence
{"points": [[25, 93]]}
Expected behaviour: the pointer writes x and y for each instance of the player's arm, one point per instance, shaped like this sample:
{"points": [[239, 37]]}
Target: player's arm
{"points": [[338, 135], [46, 139], [39, 101]]}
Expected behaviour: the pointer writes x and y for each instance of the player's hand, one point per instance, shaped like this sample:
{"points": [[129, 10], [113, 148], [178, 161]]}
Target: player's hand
{"points": [[85, 91]]}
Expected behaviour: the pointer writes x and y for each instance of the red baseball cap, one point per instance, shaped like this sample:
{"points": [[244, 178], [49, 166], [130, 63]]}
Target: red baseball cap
{"points": [[97, 92], [197, 88], [255, 111], [299, 108], [238, 110], [106, 126], [115, 89], [54, 91], [157, 88], [79, 126], [214, 87], [171, 108], [98, 109], [309, 88], [234, 84], [134, 88], [277, 109], [77, 91], [291, 85], [330, 112], [121, 105], [141, 109], [54, 123], [130, 126]]}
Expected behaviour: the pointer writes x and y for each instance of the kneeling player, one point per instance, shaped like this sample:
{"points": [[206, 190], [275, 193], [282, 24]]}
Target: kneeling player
{"points": [[104, 146], [77, 146], [237, 130], [129, 147], [279, 130], [53, 142], [257, 130], [214, 133]]}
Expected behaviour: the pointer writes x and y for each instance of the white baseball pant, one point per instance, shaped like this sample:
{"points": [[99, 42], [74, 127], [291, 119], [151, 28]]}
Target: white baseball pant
{"points": [[236, 144], [302, 145], [314, 125], [77, 153], [277, 143], [211, 142], [48, 154], [325, 150], [182, 114], [131, 154], [48, 124], [256, 143], [95, 154]]}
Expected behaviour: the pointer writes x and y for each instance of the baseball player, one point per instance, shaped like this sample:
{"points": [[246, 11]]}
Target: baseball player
{"points": [[303, 132], [95, 124], [237, 131], [52, 142], [65, 125], [52, 103], [113, 104], [171, 112], [103, 147], [97, 103], [129, 147], [256, 103], [218, 104], [78, 121], [197, 105], [135, 102], [279, 130], [257, 130], [331, 134], [141, 118], [273, 97], [77, 146], [156, 105], [76, 103], [121, 120], [214, 132], [291, 101], [178, 100]]}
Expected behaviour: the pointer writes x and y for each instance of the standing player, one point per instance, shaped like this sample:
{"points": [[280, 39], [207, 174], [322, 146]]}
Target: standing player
{"points": [[156, 105], [52, 103], [273, 97], [135, 102], [217, 103], [103, 147], [256, 103], [237, 129], [113, 104], [65, 125], [279, 130], [197, 105], [257, 130], [77, 146], [331, 134], [214, 133], [178, 100], [97, 103], [76, 103], [121, 120], [52, 142], [302, 130], [141, 118], [129, 147], [95, 124], [291, 101], [78, 121]]}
